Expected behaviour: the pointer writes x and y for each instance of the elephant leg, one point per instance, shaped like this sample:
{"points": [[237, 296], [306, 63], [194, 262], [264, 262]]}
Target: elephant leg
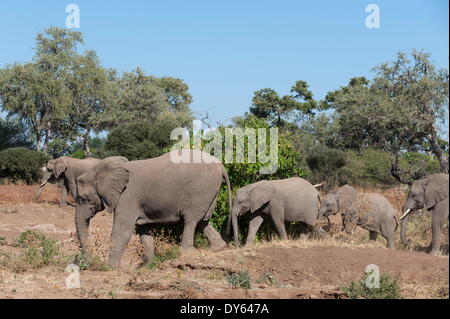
{"points": [[373, 235], [63, 199], [187, 238], [253, 227], [216, 242], [390, 242], [147, 241], [440, 215], [278, 219], [123, 227]]}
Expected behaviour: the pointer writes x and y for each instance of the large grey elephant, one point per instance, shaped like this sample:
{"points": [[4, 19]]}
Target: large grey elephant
{"points": [[68, 169], [430, 193], [292, 199], [371, 211], [145, 192]]}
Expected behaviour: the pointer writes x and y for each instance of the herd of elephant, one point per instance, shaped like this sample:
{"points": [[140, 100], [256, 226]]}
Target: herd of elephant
{"points": [[142, 193]]}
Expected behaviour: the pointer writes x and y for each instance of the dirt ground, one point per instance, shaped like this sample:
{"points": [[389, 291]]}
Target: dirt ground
{"points": [[298, 268]]}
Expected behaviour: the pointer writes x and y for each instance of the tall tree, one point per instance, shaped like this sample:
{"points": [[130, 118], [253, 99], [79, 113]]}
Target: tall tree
{"points": [[92, 95], [278, 110], [399, 110], [36, 92]]}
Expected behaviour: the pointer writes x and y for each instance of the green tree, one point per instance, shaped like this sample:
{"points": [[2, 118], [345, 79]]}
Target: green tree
{"points": [[36, 92], [141, 140], [93, 96], [268, 105], [398, 111]]}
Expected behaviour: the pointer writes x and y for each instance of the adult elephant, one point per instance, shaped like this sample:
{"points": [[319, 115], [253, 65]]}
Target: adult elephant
{"points": [[68, 169], [430, 193], [292, 199], [151, 191], [371, 211]]}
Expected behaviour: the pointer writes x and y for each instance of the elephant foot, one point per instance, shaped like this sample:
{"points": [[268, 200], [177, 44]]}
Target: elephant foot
{"points": [[434, 252], [217, 246], [186, 250]]}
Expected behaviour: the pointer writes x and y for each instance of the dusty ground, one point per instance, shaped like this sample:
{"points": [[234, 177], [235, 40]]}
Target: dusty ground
{"points": [[300, 268]]}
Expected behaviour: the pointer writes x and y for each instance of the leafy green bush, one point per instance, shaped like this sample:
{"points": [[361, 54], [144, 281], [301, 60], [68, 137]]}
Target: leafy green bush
{"points": [[40, 250], [21, 164], [13, 133], [369, 167], [326, 165], [240, 279], [389, 288], [141, 140]]}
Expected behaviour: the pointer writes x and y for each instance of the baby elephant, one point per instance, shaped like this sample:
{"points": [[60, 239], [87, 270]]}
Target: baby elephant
{"points": [[293, 200], [371, 211]]}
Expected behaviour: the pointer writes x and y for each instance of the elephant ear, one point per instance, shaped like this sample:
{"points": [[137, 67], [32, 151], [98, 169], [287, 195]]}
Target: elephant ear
{"points": [[346, 198], [436, 189], [61, 165], [260, 195], [111, 180]]}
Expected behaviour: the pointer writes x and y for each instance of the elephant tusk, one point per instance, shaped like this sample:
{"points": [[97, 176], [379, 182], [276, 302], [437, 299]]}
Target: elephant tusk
{"points": [[406, 213], [318, 185]]}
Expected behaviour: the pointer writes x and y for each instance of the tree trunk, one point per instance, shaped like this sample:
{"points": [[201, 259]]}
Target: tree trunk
{"points": [[396, 171], [48, 136], [86, 148], [38, 141], [437, 150]]}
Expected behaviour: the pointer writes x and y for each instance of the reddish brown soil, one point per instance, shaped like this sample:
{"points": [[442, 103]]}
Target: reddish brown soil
{"points": [[300, 269]]}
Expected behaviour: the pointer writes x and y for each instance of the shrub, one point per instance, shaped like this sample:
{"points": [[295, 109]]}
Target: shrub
{"points": [[40, 250], [21, 164], [389, 288], [326, 165], [369, 167], [239, 279], [141, 140]]}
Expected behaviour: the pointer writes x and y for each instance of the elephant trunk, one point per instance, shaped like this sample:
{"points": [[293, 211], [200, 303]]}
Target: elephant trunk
{"points": [[82, 219], [403, 229], [44, 181], [234, 218]]}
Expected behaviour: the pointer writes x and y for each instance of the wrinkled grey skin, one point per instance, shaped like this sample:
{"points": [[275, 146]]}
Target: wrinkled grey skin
{"points": [[378, 216], [68, 169], [293, 200], [430, 193], [145, 192]]}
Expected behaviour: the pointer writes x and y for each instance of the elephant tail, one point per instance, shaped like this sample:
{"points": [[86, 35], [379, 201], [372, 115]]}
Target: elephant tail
{"points": [[227, 181]]}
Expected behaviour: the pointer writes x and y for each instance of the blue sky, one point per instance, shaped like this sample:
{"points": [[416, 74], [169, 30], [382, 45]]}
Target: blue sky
{"points": [[225, 50]]}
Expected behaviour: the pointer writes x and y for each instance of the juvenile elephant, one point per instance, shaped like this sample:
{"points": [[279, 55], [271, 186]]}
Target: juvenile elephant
{"points": [[145, 192], [371, 211], [68, 169], [293, 200], [430, 193]]}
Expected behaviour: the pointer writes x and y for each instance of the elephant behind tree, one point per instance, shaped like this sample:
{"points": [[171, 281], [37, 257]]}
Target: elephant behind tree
{"points": [[292, 199], [430, 193], [371, 211], [153, 191], [68, 169]]}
